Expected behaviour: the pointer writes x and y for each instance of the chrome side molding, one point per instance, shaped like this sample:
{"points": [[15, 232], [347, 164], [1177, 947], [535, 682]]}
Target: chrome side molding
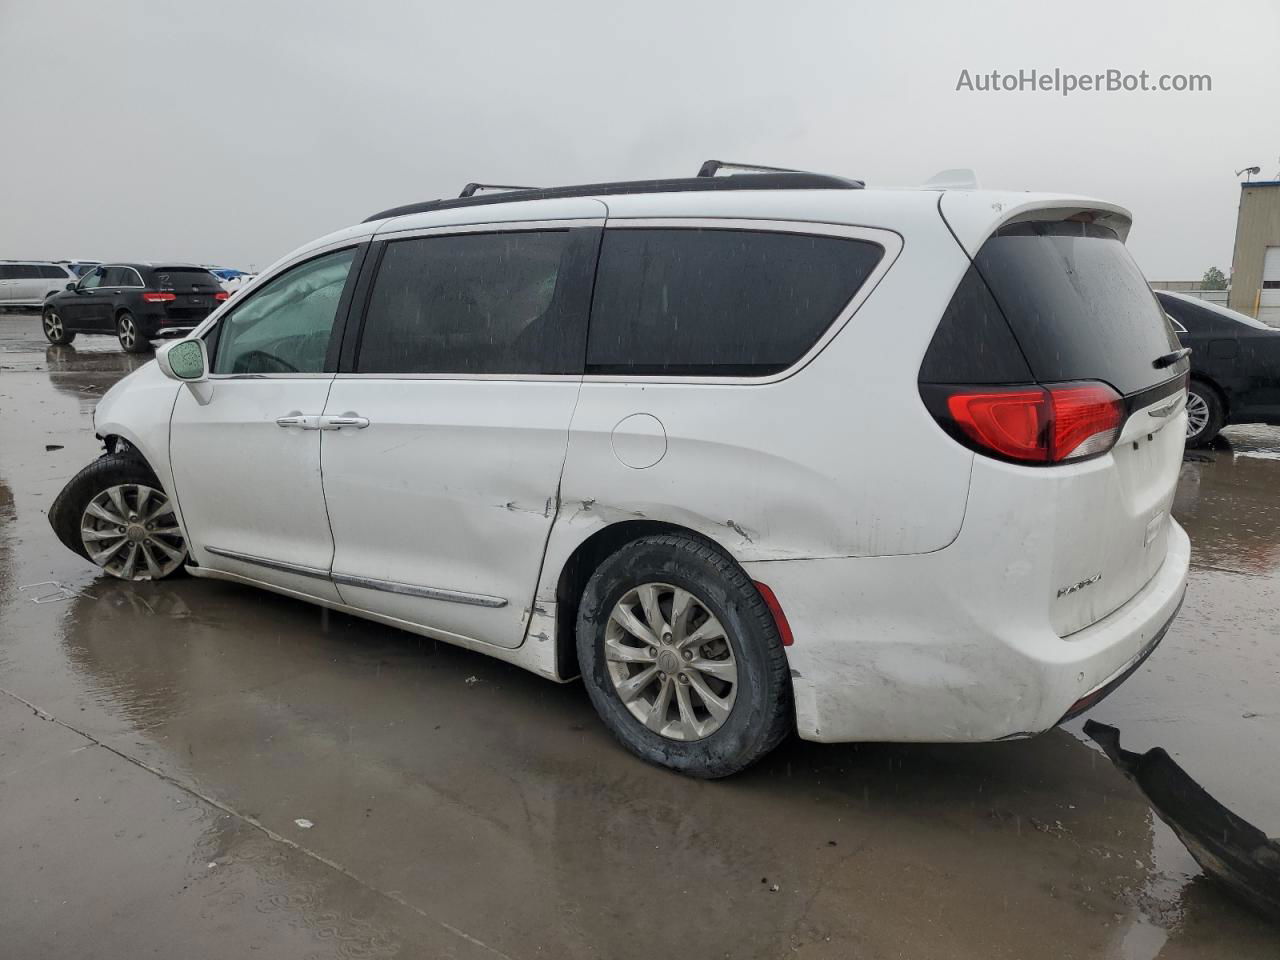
{"points": [[413, 590], [369, 583], [297, 568]]}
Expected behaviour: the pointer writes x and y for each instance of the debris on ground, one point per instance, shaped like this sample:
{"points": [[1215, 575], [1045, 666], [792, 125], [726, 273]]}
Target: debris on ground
{"points": [[1230, 850], [57, 591], [472, 681], [304, 823]]}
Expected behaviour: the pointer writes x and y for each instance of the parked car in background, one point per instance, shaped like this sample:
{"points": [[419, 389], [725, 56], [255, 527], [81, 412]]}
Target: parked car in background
{"points": [[231, 278], [81, 267], [135, 302], [225, 274], [750, 454], [1235, 366], [26, 283]]}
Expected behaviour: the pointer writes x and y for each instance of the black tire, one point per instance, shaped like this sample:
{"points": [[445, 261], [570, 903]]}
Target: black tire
{"points": [[110, 470], [48, 324], [1200, 392], [130, 334], [761, 715]]}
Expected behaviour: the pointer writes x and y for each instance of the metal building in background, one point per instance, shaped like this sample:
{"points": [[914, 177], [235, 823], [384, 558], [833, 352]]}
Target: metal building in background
{"points": [[1255, 266]]}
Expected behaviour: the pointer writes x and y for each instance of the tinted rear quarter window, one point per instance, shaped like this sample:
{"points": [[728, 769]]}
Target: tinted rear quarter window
{"points": [[712, 302]]}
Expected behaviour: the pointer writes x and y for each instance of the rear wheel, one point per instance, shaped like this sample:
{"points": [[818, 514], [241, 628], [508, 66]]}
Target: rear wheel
{"points": [[1205, 414], [681, 657], [115, 514], [54, 331], [130, 335]]}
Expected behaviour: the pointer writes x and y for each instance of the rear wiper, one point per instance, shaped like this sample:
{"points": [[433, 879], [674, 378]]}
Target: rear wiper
{"points": [[1169, 359]]}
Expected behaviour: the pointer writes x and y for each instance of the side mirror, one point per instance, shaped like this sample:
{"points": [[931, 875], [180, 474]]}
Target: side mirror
{"points": [[185, 360], [71, 286]]}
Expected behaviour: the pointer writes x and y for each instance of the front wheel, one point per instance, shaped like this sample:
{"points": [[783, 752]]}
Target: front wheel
{"points": [[54, 330], [1205, 414], [681, 657], [130, 334], [115, 514]]}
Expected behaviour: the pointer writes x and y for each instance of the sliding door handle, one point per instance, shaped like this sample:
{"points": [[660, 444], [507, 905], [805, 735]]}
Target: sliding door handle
{"points": [[337, 423], [299, 421]]}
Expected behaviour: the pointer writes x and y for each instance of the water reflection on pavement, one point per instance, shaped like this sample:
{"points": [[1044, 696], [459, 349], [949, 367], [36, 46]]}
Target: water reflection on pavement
{"points": [[159, 744]]}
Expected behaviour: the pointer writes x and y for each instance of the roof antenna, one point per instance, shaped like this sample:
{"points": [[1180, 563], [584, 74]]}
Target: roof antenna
{"points": [[959, 179]]}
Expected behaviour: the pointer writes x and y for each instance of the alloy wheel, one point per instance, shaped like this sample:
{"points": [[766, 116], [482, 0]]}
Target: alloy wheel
{"points": [[52, 326], [128, 332], [1197, 415], [671, 662], [131, 532]]}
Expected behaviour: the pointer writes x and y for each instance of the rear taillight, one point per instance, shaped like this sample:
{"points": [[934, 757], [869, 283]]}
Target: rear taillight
{"points": [[159, 297], [221, 295], [1031, 424]]}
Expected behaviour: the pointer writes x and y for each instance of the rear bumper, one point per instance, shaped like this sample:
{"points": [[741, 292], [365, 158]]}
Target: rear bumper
{"points": [[913, 648], [156, 324]]}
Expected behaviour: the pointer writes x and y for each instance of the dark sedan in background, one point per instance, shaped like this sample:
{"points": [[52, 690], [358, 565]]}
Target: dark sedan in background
{"points": [[1235, 366], [135, 302]]}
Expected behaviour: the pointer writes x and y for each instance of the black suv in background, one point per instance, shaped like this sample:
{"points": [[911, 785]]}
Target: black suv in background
{"points": [[137, 302]]}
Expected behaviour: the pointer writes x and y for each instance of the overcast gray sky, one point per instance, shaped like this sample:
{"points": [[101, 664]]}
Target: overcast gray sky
{"points": [[231, 132]]}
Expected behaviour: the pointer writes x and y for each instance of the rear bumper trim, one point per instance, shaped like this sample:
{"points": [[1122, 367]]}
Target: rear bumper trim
{"points": [[1107, 687]]}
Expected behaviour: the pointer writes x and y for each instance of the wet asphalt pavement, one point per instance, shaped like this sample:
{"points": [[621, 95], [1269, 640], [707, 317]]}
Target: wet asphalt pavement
{"points": [[163, 748]]}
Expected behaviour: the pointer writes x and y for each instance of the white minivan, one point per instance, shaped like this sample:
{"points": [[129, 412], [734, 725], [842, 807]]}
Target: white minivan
{"points": [[749, 454]]}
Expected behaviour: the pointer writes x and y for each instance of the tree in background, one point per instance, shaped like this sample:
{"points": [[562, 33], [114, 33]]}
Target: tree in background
{"points": [[1213, 279]]}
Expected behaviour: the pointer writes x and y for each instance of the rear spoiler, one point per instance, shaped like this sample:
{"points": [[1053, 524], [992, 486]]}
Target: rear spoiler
{"points": [[972, 217]]}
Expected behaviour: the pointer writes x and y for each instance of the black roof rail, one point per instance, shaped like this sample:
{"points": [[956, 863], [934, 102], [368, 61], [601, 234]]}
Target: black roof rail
{"points": [[471, 189], [777, 180]]}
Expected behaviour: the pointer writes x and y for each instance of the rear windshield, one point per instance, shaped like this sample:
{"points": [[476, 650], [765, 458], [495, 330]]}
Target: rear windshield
{"points": [[1077, 304], [183, 279]]}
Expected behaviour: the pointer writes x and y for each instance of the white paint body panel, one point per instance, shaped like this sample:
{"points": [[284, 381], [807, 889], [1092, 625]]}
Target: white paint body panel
{"points": [[249, 485], [919, 579], [452, 486]]}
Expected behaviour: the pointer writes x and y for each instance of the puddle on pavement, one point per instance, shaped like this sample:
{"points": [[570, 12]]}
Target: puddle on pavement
{"points": [[502, 808]]}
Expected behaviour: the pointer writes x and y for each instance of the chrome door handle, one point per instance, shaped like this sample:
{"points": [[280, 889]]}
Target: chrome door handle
{"points": [[300, 421], [337, 423]]}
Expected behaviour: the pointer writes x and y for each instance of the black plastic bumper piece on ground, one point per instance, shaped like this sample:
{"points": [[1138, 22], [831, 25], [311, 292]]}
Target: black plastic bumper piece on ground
{"points": [[1231, 851]]}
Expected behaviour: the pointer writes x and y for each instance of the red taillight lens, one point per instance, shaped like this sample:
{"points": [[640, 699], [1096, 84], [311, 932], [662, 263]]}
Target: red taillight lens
{"points": [[159, 297], [1008, 422], [1086, 420], [221, 295], [1049, 424]]}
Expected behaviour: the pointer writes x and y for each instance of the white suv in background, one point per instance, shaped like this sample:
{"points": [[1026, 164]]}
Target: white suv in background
{"points": [[26, 283], [749, 453]]}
